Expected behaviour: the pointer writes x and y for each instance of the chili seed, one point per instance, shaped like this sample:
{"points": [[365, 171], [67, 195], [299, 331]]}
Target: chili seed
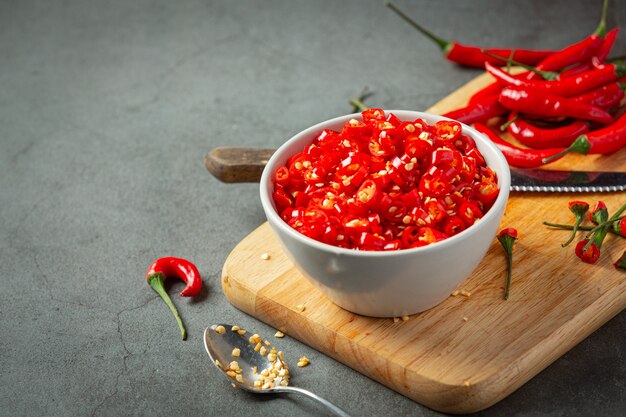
{"points": [[236, 352], [279, 334], [265, 256], [220, 329]]}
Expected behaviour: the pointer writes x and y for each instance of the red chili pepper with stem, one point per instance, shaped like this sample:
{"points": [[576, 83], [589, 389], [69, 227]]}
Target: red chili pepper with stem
{"points": [[576, 53], [507, 238], [607, 140], [601, 55], [539, 102], [178, 268], [588, 249], [517, 157], [478, 111], [542, 138], [473, 56], [568, 87]]}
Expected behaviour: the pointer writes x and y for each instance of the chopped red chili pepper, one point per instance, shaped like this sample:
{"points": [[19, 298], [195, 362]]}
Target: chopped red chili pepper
{"points": [[385, 184], [178, 268]]}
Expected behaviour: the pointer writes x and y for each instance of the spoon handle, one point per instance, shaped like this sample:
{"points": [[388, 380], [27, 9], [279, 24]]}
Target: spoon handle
{"points": [[332, 407]]}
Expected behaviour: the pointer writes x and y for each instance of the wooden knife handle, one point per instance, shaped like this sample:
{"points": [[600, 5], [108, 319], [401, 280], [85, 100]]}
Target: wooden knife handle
{"points": [[231, 165]]}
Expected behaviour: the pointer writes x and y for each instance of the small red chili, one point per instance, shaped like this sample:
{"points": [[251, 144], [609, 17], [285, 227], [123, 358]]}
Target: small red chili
{"points": [[587, 251], [178, 268]]}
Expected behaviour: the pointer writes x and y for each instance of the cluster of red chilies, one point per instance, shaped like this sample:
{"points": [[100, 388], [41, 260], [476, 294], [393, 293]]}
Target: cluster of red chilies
{"points": [[569, 102], [588, 248], [385, 184]]}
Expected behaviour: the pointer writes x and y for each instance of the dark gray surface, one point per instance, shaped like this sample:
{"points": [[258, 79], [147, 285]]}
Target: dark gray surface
{"points": [[106, 110]]}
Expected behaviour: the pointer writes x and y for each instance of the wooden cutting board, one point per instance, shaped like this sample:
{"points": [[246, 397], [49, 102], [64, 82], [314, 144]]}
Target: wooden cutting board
{"points": [[470, 351]]}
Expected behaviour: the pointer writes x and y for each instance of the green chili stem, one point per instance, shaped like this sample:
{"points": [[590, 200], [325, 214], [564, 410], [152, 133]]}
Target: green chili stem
{"points": [[607, 223], [508, 273], [442, 43], [358, 104], [601, 29], [507, 242], [579, 220], [156, 281], [546, 75], [365, 93], [571, 227], [506, 125]]}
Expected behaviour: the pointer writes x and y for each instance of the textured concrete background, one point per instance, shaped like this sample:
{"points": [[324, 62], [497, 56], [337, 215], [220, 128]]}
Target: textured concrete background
{"points": [[106, 111]]}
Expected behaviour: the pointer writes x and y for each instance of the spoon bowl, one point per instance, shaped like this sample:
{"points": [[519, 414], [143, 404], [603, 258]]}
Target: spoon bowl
{"points": [[220, 348]]}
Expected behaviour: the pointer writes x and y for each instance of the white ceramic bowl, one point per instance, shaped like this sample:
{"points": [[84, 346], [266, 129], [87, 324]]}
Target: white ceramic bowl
{"points": [[393, 283]]}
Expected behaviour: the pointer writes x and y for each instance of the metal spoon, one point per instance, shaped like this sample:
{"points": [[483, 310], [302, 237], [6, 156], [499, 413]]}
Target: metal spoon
{"points": [[220, 348]]}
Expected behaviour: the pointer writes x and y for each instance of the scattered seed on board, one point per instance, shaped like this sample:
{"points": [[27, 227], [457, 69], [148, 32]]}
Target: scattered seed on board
{"points": [[465, 319], [303, 361], [300, 307], [465, 293], [405, 318], [265, 256], [455, 293], [396, 319], [466, 383], [220, 329], [279, 334]]}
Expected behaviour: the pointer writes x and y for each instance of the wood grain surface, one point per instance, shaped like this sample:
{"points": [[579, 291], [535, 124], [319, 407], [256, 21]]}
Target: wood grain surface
{"points": [[470, 351]]}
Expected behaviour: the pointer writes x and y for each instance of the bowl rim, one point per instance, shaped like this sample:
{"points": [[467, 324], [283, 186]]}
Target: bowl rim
{"points": [[504, 182]]}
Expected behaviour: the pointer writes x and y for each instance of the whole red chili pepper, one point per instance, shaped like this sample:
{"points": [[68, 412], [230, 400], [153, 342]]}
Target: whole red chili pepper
{"points": [[478, 111], [518, 157], [606, 97], [542, 138], [576, 53], [473, 56], [181, 269], [568, 87], [607, 140], [601, 55], [539, 102]]}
